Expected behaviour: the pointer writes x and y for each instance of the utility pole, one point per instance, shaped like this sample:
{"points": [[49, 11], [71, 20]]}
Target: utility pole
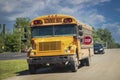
{"points": [[3, 30], [0, 28], [106, 45]]}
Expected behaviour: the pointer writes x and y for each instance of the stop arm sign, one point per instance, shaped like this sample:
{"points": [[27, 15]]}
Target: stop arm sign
{"points": [[87, 40]]}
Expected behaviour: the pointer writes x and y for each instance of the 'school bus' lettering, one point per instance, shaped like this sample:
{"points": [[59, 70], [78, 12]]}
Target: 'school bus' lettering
{"points": [[53, 20]]}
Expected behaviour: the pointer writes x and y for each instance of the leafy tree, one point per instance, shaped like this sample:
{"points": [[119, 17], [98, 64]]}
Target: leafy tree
{"points": [[104, 36], [117, 45], [11, 42], [96, 37], [22, 29], [22, 22]]}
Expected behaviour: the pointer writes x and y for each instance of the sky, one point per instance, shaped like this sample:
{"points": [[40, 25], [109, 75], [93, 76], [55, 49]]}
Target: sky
{"points": [[96, 13]]}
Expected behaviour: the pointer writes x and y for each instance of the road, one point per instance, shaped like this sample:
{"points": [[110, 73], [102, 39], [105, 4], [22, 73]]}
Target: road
{"points": [[103, 67], [11, 56]]}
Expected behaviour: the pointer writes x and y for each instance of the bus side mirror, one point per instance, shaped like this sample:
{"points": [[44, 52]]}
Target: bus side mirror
{"points": [[80, 30], [80, 33], [80, 27]]}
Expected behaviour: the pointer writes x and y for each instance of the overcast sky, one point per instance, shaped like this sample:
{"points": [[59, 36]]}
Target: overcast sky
{"points": [[97, 13]]}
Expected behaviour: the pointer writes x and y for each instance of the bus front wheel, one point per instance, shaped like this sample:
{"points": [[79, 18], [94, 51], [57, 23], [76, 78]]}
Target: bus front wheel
{"points": [[74, 65], [32, 69]]}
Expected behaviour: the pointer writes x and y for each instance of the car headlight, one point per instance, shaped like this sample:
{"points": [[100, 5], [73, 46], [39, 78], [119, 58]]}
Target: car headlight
{"points": [[101, 49]]}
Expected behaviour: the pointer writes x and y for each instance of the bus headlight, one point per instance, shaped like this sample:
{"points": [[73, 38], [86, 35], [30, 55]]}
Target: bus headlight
{"points": [[33, 53], [70, 49]]}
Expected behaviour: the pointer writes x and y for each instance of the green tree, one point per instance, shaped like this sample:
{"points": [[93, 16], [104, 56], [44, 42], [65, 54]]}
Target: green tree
{"points": [[22, 22], [105, 36], [117, 45], [11, 43], [96, 37], [20, 26]]}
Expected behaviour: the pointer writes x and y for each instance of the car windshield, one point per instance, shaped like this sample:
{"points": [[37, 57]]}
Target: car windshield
{"points": [[96, 46], [40, 31]]}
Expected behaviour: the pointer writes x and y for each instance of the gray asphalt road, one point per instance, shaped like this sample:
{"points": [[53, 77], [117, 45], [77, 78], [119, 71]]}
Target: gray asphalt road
{"points": [[10, 56], [103, 67]]}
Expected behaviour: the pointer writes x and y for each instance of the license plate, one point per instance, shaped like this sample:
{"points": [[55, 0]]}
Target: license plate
{"points": [[96, 51]]}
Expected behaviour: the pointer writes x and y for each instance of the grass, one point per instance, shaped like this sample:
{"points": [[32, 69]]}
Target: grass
{"points": [[10, 68]]}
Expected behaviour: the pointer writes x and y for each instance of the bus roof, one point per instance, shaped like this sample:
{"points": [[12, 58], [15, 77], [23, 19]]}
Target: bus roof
{"points": [[54, 15], [60, 17]]}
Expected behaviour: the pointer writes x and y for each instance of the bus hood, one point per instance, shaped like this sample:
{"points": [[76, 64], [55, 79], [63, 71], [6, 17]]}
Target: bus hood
{"points": [[52, 45]]}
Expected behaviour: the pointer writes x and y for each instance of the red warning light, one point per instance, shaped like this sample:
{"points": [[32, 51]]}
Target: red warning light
{"points": [[67, 20], [37, 22]]}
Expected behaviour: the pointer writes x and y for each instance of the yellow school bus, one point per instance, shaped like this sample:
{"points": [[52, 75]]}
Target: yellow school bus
{"points": [[59, 40]]}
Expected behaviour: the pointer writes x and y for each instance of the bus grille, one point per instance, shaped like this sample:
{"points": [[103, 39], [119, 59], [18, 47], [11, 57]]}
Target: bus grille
{"points": [[47, 46]]}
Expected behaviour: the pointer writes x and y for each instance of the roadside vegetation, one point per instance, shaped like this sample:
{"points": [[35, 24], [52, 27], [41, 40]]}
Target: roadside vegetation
{"points": [[17, 39], [10, 68], [104, 37]]}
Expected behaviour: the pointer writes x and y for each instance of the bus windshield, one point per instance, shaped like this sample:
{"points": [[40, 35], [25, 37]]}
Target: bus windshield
{"points": [[40, 31]]}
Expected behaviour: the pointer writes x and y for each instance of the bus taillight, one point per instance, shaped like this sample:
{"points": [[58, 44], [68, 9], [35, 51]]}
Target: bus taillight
{"points": [[67, 20], [35, 22]]}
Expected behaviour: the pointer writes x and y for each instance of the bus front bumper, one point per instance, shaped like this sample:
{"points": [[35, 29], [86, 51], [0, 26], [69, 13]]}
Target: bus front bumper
{"points": [[50, 60]]}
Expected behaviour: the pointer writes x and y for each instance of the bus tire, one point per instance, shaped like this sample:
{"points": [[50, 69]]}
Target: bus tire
{"points": [[87, 63], [32, 69], [74, 65]]}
